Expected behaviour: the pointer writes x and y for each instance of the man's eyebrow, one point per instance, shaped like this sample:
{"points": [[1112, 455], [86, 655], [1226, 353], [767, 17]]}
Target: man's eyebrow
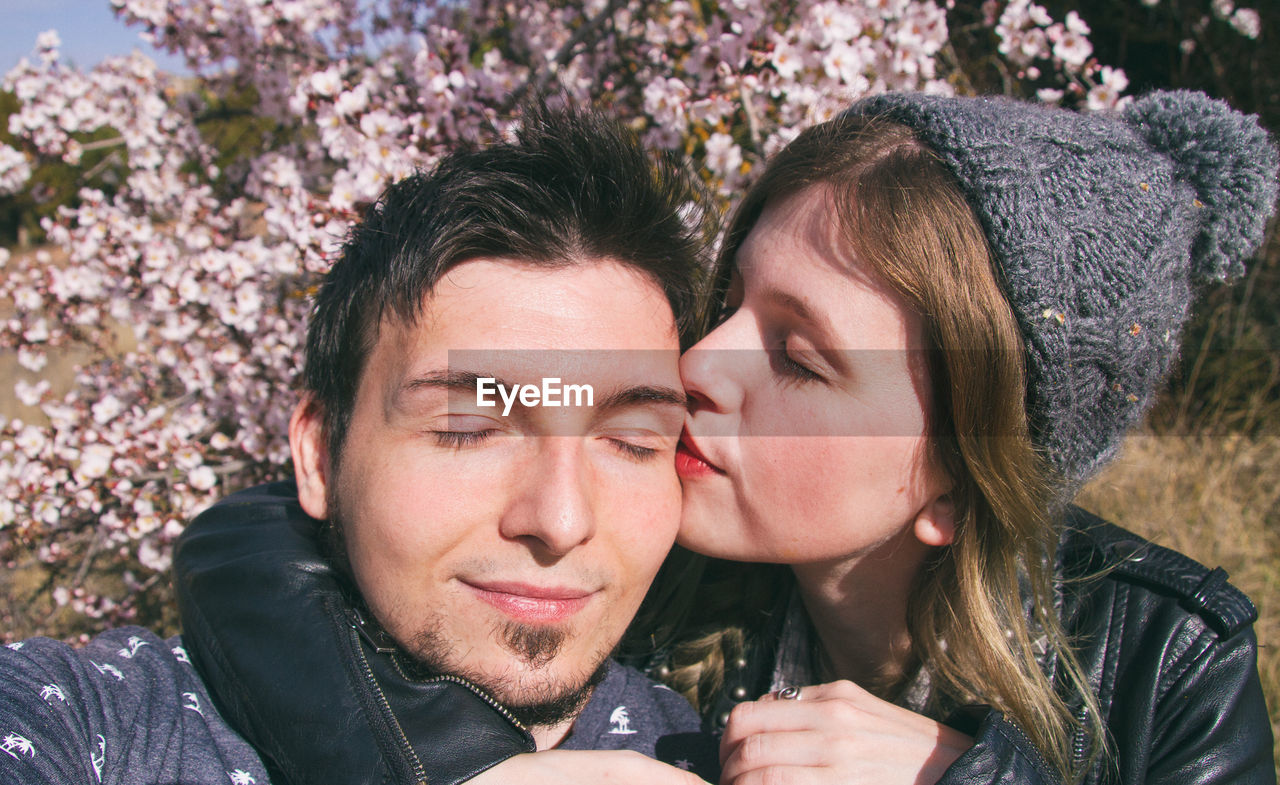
{"points": [[462, 381], [643, 395], [634, 395]]}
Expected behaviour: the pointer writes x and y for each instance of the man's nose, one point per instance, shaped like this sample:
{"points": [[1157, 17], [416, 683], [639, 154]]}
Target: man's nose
{"points": [[554, 505]]}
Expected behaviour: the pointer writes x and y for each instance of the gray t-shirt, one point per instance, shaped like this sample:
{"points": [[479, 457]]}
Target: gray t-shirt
{"points": [[128, 708], [628, 711]]}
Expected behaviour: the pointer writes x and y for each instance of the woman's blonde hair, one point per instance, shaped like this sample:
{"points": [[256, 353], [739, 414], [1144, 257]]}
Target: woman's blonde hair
{"points": [[982, 614]]}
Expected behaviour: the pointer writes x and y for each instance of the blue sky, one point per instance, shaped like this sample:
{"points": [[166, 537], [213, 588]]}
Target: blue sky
{"points": [[89, 31]]}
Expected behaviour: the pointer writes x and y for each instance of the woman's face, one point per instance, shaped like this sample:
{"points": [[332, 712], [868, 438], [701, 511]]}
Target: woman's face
{"points": [[806, 437]]}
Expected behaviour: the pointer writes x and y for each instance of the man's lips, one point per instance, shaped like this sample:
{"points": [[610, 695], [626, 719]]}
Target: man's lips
{"points": [[690, 462], [532, 604]]}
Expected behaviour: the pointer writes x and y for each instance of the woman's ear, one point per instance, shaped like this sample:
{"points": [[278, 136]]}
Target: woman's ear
{"points": [[310, 457], [935, 524]]}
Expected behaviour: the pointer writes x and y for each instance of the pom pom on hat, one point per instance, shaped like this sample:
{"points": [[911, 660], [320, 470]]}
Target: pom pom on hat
{"points": [[1226, 157]]}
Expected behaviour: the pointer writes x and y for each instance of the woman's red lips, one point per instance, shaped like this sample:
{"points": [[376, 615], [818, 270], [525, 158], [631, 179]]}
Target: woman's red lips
{"points": [[690, 462], [532, 604]]}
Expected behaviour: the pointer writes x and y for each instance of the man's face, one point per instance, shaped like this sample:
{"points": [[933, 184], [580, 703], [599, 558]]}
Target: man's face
{"points": [[511, 550]]}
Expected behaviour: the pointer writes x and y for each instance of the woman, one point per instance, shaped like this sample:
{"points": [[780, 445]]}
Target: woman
{"points": [[1006, 284], [951, 311]]}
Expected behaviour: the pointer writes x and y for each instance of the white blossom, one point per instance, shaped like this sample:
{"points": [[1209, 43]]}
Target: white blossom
{"points": [[1247, 22], [15, 170], [202, 478], [1072, 48], [95, 461], [1106, 94], [187, 278], [723, 154]]}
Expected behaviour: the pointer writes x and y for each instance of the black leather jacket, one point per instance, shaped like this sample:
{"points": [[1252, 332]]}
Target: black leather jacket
{"points": [[1168, 645], [293, 668], [1170, 652]]}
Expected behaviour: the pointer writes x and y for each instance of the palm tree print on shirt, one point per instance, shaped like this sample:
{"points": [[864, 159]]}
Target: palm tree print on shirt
{"points": [[17, 745]]}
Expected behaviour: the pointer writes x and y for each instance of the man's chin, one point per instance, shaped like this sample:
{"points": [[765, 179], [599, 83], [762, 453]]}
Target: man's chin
{"points": [[533, 684], [547, 704]]}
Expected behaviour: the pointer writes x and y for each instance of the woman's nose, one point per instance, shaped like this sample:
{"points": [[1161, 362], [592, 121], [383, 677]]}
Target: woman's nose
{"points": [[714, 370]]}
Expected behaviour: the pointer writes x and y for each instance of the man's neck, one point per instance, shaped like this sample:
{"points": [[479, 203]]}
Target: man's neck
{"points": [[550, 736]]}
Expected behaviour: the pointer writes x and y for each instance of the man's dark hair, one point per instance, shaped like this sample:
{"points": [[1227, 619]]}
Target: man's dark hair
{"points": [[573, 186]]}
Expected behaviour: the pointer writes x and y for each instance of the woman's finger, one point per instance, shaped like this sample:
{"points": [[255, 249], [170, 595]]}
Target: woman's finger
{"points": [[833, 689], [785, 775], [777, 715], [766, 716], [802, 749], [834, 733], [786, 693]]}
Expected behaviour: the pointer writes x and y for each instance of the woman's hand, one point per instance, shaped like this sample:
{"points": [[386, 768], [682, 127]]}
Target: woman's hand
{"points": [[835, 733], [603, 767]]}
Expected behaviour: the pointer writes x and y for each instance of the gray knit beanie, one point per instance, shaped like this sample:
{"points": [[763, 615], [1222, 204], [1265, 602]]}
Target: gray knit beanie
{"points": [[1101, 225]]}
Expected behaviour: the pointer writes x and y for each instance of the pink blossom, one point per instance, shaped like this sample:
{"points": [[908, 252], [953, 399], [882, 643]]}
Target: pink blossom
{"points": [[787, 60], [188, 281], [1076, 25], [1072, 48], [1049, 95], [32, 359], [15, 170], [1106, 94], [95, 461], [723, 155], [1247, 22], [31, 440], [202, 478]]}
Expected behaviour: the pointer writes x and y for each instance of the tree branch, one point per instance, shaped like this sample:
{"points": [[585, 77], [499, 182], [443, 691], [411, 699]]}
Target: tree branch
{"points": [[94, 543], [753, 123], [101, 144]]}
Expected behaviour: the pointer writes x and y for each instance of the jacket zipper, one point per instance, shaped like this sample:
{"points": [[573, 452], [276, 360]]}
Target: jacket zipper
{"points": [[482, 695], [388, 648], [419, 773], [1032, 750], [1078, 748]]}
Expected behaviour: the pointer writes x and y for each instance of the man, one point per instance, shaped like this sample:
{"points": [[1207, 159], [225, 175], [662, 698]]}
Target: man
{"points": [[494, 538]]}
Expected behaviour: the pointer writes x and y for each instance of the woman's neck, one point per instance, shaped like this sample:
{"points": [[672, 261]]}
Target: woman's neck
{"points": [[858, 606]]}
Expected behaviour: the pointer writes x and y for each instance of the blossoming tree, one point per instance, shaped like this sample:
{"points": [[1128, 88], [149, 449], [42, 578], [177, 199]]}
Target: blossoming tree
{"points": [[203, 261]]}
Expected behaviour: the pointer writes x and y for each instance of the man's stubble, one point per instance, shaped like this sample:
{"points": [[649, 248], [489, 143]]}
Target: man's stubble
{"points": [[429, 651], [533, 704]]}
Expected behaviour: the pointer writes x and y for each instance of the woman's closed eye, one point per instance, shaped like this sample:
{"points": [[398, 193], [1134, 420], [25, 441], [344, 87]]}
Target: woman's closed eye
{"points": [[794, 364]]}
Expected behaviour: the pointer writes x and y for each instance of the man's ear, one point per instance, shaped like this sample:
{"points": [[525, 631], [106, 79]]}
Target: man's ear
{"points": [[935, 524], [310, 457]]}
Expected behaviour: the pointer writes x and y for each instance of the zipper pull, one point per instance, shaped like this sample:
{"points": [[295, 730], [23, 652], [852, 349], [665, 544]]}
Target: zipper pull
{"points": [[377, 638]]}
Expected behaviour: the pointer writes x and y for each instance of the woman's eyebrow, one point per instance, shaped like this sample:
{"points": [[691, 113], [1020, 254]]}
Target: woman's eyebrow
{"points": [[800, 308]]}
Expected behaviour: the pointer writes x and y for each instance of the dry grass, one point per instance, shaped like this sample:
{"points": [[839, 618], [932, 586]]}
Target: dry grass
{"points": [[1204, 477], [1214, 499]]}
